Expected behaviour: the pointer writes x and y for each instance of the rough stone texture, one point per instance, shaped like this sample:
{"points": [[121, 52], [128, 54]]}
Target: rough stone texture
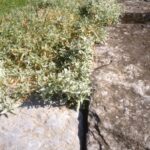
{"points": [[136, 6], [40, 129], [119, 114]]}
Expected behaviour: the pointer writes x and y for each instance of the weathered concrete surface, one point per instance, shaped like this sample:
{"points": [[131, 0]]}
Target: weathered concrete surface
{"points": [[119, 117], [40, 129]]}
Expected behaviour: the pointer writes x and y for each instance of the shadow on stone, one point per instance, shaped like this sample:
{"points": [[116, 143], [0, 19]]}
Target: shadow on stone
{"points": [[138, 18], [83, 124], [35, 100]]}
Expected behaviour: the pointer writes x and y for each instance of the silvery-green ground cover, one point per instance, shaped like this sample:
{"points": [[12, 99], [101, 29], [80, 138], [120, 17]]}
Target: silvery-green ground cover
{"points": [[46, 48]]}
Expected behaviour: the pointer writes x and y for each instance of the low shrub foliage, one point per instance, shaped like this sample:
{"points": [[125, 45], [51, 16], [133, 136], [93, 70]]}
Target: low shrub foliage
{"points": [[46, 48], [7, 5]]}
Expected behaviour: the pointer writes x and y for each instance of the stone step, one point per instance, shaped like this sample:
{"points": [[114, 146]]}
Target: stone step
{"points": [[40, 128], [136, 11], [133, 6], [119, 113]]}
